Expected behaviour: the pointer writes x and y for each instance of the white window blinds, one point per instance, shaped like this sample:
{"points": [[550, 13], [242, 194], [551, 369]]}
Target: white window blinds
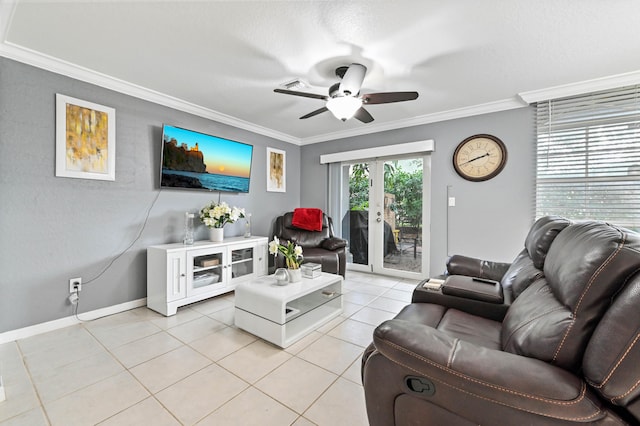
{"points": [[588, 157]]}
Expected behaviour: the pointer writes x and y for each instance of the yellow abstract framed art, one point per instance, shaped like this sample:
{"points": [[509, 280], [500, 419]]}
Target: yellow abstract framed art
{"points": [[85, 139], [276, 170]]}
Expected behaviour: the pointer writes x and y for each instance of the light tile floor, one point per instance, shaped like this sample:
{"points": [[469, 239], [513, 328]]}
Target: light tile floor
{"points": [[139, 367]]}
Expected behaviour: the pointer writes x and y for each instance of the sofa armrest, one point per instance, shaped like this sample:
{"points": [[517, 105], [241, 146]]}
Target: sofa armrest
{"points": [[463, 371], [473, 288], [473, 267], [333, 243], [492, 311]]}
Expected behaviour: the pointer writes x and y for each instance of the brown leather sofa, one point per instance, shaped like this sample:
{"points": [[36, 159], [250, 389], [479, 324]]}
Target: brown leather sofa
{"points": [[566, 351], [321, 247]]}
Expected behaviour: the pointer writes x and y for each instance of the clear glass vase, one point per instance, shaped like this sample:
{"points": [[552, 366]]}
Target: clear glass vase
{"points": [[282, 276], [247, 225], [188, 228]]}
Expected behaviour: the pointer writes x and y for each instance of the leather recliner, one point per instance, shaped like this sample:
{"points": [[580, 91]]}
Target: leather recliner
{"points": [[321, 247], [566, 352]]}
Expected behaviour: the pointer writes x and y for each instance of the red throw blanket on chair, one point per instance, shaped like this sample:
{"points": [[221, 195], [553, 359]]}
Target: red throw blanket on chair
{"points": [[309, 219]]}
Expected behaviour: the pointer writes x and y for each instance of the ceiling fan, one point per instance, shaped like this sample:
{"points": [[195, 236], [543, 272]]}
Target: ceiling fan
{"points": [[344, 99]]}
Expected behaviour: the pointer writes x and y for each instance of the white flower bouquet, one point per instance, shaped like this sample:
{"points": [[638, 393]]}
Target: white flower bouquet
{"points": [[292, 252], [215, 215]]}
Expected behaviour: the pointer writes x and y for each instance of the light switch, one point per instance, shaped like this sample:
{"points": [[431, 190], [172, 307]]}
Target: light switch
{"points": [[452, 201]]}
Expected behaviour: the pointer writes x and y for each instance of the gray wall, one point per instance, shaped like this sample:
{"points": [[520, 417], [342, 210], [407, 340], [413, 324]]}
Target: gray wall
{"points": [[490, 219], [53, 229]]}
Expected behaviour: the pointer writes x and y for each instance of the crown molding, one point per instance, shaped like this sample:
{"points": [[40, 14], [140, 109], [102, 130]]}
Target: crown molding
{"points": [[39, 60], [486, 108], [49, 63], [58, 66], [68, 69], [582, 87]]}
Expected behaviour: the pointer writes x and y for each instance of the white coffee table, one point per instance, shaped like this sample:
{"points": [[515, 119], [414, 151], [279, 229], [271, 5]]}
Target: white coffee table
{"points": [[283, 315]]}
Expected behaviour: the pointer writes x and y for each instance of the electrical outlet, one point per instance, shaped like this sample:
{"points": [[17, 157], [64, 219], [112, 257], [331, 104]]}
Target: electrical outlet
{"points": [[75, 285]]}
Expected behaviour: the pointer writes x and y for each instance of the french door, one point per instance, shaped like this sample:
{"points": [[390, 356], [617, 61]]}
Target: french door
{"points": [[385, 205]]}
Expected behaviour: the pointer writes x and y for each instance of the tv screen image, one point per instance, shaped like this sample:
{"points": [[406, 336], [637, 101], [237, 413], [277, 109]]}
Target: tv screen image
{"points": [[195, 160]]}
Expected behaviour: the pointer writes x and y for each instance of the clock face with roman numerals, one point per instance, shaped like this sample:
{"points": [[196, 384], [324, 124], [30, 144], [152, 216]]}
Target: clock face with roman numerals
{"points": [[480, 157]]}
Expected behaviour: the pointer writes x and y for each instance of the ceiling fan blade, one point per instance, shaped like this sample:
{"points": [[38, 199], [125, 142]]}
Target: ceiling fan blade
{"points": [[316, 112], [388, 97], [352, 80], [303, 94], [363, 115]]}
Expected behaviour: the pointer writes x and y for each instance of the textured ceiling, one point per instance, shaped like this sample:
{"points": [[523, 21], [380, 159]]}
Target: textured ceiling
{"points": [[224, 58]]}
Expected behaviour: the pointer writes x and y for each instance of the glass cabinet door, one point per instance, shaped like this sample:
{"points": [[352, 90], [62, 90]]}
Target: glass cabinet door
{"points": [[205, 270], [242, 261]]}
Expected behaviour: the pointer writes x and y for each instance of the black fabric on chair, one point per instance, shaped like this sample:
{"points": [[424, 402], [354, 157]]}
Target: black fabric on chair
{"points": [[356, 222]]}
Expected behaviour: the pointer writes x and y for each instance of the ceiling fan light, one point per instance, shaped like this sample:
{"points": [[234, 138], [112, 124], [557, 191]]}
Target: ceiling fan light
{"points": [[344, 107]]}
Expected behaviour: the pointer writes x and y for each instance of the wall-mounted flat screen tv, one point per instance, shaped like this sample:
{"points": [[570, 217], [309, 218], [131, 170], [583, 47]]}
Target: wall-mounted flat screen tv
{"points": [[195, 160]]}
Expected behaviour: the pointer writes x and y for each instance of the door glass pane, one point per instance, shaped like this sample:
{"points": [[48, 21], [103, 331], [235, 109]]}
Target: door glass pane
{"points": [[402, 248], [355, 221], [396, 196], [207, 270]]}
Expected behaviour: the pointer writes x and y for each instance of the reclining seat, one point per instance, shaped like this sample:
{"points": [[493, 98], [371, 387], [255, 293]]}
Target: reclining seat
{"points": [[513, 277], [321, 247], [566, 352]]}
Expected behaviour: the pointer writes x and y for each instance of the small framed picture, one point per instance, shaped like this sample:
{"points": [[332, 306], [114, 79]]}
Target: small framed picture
{"points": [[85, 139], [276, 170]]}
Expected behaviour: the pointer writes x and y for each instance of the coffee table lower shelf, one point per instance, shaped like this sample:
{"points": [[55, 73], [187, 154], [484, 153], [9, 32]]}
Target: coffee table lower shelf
{"points": [[283, 315]]}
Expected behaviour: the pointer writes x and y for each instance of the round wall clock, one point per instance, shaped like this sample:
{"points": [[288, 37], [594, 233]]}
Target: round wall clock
{"points": [[480, 157]]}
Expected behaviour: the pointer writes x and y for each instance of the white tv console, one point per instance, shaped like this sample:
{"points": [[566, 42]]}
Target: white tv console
{"points": [[179, 274]]}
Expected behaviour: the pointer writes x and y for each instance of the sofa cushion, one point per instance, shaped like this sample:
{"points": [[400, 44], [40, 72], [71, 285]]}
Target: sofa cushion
{"points": [[422, 313], [455, 323], [535, 323], [470, 328]]}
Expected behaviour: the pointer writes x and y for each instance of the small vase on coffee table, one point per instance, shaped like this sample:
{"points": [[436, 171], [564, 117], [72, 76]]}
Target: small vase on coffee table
{"points": [[295, 275]]}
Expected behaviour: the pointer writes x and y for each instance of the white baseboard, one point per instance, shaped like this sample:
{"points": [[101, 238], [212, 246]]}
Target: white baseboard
{"points": [[22, 333], [3, 396]]}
